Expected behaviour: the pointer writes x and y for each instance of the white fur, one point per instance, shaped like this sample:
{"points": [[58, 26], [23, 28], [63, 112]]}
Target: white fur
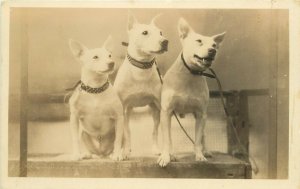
{"points": [[95, 115], [140, 87], [183, 92]]}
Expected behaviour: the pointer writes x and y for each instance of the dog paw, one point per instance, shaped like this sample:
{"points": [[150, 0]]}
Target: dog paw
{"points": [[200, 157], [117, 156], [155, 150], [163, 160], [126, 153]]}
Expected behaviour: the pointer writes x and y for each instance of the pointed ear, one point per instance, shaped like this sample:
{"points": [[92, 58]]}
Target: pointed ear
{"points": [[155, 18], [219, 37], [183, 28], [76, 48], [108, 44], [131, 21]]}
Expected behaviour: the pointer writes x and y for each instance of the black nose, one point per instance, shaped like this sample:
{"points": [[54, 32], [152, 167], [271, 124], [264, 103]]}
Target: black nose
{"points": [[164, 44], [111, 64], [212, 52]]}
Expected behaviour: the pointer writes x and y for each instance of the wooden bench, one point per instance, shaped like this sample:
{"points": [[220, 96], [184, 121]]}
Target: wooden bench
{"points": [[234, 164], [220, 165]]}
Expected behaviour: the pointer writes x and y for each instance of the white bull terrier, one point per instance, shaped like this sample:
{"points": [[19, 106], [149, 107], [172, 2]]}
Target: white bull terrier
{"points": [[96, 110], [185, 89], [137, 82]]}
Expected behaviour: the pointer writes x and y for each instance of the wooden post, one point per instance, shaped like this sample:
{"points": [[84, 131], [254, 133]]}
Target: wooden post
{"points": [[23, 98], [238, 137], [272, 138]]}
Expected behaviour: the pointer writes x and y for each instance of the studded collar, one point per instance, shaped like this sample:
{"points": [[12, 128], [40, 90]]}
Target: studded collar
{"points": [[139, 64]]}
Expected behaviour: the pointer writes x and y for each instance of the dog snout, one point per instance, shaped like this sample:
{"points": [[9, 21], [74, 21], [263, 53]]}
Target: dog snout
{"points": [[111, 65], [212, 52], [164, 44]]}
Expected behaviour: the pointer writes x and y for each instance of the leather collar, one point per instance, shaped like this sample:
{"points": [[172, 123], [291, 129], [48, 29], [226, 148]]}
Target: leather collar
{"points": [[195, 72], [139, 64]]}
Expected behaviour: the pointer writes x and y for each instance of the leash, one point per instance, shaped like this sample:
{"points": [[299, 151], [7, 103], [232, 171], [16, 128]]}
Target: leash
{"points": [[174, 113], [214, 76]]}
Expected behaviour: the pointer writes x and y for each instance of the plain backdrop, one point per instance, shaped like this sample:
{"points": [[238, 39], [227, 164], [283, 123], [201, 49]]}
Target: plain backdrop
{"points": [[243, 60]]}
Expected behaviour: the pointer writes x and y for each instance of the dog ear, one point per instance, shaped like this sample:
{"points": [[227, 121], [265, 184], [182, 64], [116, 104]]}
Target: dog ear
{"points": [[131, 21], [108, 44], [183, 28], [219, 37], [76, 48], [154, 18]]}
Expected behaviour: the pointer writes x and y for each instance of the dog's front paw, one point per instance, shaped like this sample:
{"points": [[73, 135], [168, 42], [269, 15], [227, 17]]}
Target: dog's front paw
{"points": [[126, 153], [200, 157], [163, 160], [117, 156]]}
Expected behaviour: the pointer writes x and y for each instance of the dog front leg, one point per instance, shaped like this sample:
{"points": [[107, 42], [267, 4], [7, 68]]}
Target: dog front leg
{"points": [[74, 123], [165, 122], [127, 137], [199, 136], [119, 131], [156, 118]]}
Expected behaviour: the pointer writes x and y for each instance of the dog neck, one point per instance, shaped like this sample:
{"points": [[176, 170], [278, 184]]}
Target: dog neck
{"points": [[187, 66], [93, 79], [139, 55]]}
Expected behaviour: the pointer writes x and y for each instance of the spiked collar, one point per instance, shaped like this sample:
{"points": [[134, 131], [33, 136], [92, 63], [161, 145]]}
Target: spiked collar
{"points": [[139, 64], [97, 90], [195, 72]]}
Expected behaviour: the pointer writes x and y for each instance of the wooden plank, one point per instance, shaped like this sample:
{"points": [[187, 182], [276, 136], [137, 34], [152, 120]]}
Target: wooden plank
{"points": [[256, 92], [219, 166], [24, 99], [64, 98]]}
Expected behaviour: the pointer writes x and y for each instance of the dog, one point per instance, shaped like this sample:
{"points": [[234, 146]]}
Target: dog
{"points": [[185, 90], [137, 82], [96, 111]]}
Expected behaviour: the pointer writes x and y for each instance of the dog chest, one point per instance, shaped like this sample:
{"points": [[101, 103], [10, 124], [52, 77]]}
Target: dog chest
{"points": [[106, 104], [184, 93]]}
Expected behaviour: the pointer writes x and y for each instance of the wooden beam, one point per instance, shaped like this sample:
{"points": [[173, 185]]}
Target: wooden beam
{"points": [[272, 138], [220, 165]]}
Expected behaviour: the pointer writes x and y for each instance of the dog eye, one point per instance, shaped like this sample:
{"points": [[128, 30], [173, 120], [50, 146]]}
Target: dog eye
{"points": [[145, 32], [214, 45], [160, 33], [199, 40], [109, 56], [95, 57]]}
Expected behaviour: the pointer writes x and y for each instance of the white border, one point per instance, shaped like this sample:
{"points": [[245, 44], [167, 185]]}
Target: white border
{"points": [[294, 166]]}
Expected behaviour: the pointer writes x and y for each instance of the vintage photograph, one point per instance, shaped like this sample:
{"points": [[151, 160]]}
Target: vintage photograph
{"points": [[129, 92]]}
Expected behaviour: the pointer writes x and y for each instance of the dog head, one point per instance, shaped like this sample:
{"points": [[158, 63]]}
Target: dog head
{"points": [[146, 39], [97, 60], [198, 51]]}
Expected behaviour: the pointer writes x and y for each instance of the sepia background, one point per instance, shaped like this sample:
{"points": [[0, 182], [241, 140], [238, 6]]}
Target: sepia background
{"points": [[255, 41]]}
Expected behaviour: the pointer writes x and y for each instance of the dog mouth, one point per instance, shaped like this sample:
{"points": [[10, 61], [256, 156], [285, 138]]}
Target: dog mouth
{"points": [[160, 51], [204, 61], [106, 71]]}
